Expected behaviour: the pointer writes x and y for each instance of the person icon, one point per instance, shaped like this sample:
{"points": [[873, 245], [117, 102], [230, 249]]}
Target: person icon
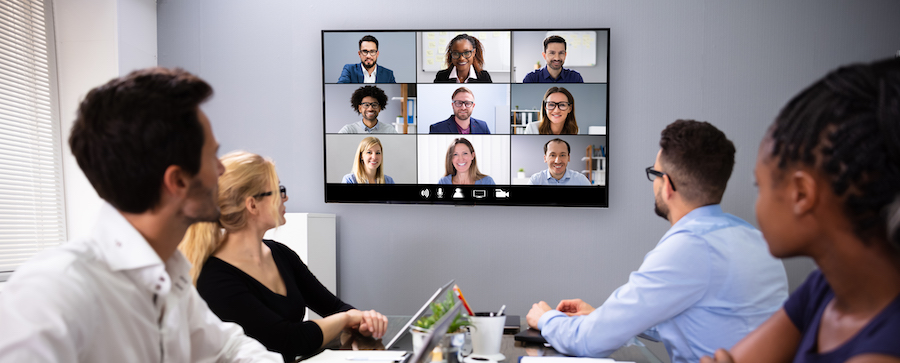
{"points": [[458, 193]]}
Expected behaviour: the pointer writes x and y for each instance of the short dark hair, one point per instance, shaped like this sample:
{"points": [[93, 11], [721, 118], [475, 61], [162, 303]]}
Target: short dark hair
{"points": [[554, 39], [368, 91], [568, 148], [847, 127], [131, 129], [699, 158], [369, 38]]}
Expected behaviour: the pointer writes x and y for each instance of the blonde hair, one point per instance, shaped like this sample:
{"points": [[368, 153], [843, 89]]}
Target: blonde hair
{"points": [[359, 168], [246, 175], [448, 162]]}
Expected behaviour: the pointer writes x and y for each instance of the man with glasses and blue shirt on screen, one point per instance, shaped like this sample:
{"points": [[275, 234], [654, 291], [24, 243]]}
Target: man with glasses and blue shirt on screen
{"points": [[367, 70], [556, 155], [368, 101], [461, 122], [708, 282], [555, 55]]}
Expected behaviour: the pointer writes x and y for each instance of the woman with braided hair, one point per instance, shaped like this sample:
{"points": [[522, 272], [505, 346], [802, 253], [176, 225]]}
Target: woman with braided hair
{"points": [[828, 172]]}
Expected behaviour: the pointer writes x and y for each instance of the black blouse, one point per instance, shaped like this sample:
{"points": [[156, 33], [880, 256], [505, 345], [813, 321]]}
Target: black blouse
{"points": [[275, 321]]}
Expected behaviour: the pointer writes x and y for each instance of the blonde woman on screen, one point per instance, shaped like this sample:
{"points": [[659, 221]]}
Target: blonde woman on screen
{"points": [[461, 166], [557, 114], [368, 165], [259, 284]]}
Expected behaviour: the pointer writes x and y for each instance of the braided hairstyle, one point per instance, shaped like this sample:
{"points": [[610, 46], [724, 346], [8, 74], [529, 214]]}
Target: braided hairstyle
{"points": [[847, 125]]}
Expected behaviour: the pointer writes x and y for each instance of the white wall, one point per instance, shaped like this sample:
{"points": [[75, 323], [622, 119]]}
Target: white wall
{"points": [[96, 40], [732, 63]]}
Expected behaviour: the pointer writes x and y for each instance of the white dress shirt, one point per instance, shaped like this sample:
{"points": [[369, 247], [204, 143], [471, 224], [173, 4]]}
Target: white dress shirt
{"points": [[110, 298], [455, 77], [368, 78]]}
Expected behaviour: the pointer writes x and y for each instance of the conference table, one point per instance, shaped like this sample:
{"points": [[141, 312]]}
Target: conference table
{"points": [[635, 351]]}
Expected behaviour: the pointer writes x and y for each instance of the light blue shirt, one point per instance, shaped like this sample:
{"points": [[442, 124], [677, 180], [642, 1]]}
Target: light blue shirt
{"points": [[571, 177], [351, 179], [359, 127], [487, 180], [708, 282]]}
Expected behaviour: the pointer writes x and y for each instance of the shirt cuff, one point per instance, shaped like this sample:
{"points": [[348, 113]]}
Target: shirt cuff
{"points": [[547, 316]]}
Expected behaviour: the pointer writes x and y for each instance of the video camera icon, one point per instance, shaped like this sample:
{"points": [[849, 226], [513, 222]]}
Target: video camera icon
{"points": [[501, 194]]}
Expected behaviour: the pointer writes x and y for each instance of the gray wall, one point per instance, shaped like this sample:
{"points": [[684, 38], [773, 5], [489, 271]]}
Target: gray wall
{"points": [[527, 48], [590, 101], [528, 151], [396, 51], [732, 63]]}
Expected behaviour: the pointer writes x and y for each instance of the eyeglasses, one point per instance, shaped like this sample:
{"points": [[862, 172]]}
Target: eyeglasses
{"points": [[466, 54], [370, 105], [463, 103], [281, 189], [368, 52], [652, 174], [562, 105]]}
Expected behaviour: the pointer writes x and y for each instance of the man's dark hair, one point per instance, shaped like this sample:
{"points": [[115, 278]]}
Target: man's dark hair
{"points": [[698, 158], [369, 38], [368, 91], [568, 148], [554, 39], [131, 129], [847, 127]]}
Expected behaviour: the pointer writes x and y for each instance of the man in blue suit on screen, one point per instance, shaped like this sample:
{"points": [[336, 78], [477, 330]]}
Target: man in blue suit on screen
{"points": [[461, 122], [366, 71]]}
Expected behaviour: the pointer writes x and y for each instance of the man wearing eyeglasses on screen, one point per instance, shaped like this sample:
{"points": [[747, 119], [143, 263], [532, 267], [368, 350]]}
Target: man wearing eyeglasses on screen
{"points": [[368, 101], [711, 269], [461, 122], [367, 70]]}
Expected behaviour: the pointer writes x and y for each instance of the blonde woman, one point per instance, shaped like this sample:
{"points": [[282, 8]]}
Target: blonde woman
{"points": [[461, 167], [368, 167], [557, 114], [259, 284]]}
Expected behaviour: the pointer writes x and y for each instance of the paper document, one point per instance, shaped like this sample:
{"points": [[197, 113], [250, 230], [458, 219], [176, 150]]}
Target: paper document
{"points": [[567, 360], [349, 356]]}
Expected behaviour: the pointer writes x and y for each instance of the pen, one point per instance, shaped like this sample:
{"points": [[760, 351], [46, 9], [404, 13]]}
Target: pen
{"points": [[463, 299]]}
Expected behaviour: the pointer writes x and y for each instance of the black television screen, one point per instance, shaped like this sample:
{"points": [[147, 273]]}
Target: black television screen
{"points": [[491, 116]]}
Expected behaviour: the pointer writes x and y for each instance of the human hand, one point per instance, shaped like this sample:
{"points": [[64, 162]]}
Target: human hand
{"points": [[373, 324], [722, 356], [534, 315], [574, 307]]}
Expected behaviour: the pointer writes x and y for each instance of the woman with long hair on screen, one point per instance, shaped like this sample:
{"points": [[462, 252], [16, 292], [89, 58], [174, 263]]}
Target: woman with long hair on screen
{"points": [[259, 284], [557, 114], [828, 172], [465, 60], [368, 164], [461, 167]]}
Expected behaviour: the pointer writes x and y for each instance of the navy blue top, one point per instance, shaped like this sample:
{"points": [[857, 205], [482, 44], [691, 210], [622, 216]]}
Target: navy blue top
{"points": [[805, 308], [543, 76], [448, 126]]}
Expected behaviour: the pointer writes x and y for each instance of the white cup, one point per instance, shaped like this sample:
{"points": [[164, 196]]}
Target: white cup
{"points": [[487, 333]]}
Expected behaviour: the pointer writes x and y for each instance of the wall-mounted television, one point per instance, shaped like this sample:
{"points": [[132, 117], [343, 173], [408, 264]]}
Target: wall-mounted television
{"points": [[467, 116]]}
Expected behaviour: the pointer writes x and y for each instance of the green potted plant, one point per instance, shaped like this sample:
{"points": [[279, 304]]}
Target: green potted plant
{"points": [[455, 335], [521, 174]]}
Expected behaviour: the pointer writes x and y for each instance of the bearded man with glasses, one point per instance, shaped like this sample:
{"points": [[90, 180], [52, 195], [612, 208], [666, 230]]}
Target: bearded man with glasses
{"points": [[367, 70], [461, 122], [368, 101]]}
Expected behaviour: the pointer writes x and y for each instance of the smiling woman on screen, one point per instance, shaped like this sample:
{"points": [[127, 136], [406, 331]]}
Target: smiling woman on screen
{"points": [[461, 167], [557, 114], [368, 165], [465, 58]]}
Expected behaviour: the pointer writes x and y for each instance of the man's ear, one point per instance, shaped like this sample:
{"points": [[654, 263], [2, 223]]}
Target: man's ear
{"points": [[176, 182], [667, 187], [804, 190]]}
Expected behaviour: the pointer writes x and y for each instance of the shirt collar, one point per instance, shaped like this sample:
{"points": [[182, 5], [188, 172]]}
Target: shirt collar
{"points": [[362, 126], [366, 73], [566, 175], [454, 76]]}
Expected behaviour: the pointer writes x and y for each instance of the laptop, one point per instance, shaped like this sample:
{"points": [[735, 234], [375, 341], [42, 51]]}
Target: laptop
{"points": [[440, 292]]}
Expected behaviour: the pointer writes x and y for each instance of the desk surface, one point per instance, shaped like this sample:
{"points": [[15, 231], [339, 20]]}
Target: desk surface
{"points": [[509, 347]]}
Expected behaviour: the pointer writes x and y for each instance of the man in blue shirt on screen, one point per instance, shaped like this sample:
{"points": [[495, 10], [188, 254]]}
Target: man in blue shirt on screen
{"points": [[555, 56], [556, 155], [708, 282], [367, 70]]}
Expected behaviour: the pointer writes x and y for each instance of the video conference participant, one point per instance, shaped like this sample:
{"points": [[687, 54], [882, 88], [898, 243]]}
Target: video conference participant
{"points": [[557, 114], [555, 56], [465, 55], [461, 122], [711, 269], [149, 152], [262, 284], [828, 173], [556, 156], [461, 166], [368, 166], [368, 101], [367, 70]]}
